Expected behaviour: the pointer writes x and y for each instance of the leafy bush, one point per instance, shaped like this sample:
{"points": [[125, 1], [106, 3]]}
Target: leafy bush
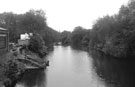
{"points": [[37, 45]]}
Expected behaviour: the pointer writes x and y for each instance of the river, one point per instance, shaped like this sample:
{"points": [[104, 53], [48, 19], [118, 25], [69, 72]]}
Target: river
{"points": [[76, 68]]}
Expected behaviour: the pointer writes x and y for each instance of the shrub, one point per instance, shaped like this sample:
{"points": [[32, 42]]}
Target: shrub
{"points": [[37, 45]]}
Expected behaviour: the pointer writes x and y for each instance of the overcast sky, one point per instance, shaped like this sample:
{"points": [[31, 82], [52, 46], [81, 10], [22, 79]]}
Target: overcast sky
{"points": [[66, 14]]}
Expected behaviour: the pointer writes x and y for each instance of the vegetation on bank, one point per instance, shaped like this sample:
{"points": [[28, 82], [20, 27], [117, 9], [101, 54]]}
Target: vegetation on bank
{"points": [[20, 57], [77, 38], [40, 43], [33, 21], [114, 35], [37, 45], [65, 38]]}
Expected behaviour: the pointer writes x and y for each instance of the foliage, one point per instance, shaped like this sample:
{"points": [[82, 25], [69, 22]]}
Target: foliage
{"points": [[11, 70], [115, 35], [8, 20], [33, 21], [65, 37], [79, 37], [37, 45]]}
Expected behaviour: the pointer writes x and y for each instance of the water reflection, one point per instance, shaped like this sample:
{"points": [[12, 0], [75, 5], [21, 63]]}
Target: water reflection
{"points": [[74, 68], [33, 78], [71, 68], [68, 68], [115, 72]]}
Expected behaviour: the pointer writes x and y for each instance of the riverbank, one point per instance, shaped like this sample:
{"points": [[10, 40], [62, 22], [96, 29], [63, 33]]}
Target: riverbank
{"points": [[119, 51], [9, 68], [14, 63]]}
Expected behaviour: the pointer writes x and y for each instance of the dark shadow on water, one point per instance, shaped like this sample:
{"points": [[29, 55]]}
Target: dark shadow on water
{"points": [[34, 77], [77, 47], [115, 72]]}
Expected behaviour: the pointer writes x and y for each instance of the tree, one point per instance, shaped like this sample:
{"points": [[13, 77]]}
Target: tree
{"points": [[114, 35], [77, 36], [65, 37], [8, 21], [37, 45], [33, 21]]}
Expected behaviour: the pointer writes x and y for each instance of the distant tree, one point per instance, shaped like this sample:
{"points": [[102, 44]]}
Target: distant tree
{"points": [[77, 36], [86, 40], [65, 37]]}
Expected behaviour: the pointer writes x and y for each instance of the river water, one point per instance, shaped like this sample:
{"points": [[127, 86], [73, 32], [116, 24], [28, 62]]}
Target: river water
{"points": [[76, 68]]}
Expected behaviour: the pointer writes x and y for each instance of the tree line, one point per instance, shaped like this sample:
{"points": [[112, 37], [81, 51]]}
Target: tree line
{"points": [[33, 21], [114, 35]]}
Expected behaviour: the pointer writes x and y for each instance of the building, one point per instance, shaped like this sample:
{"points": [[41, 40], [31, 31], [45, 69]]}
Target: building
{"points": [[4, 40], [24, 39]]}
